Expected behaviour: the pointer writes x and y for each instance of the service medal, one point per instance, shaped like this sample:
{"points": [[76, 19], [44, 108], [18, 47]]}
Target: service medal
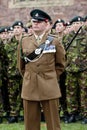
{"points": [[38, 51]]}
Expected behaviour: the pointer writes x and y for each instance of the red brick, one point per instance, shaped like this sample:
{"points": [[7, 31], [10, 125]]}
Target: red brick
{"points": [[9, 15]]}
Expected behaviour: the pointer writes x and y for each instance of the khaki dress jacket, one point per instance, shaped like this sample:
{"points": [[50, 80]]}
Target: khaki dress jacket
{"points": [[40, 78]]}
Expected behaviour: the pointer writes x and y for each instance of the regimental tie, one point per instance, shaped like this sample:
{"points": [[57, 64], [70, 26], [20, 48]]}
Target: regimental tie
{"points": [[38, 40]]}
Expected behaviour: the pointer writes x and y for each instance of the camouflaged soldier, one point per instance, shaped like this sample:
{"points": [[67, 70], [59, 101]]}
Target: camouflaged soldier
{"points": [[69, 32], [59, 27], [68, 28], [1, 61], [76, 73], [4, 98], [13, 74]]}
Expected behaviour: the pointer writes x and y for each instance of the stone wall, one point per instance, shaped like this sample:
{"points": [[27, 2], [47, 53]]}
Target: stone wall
{"points": [[10, 10]]}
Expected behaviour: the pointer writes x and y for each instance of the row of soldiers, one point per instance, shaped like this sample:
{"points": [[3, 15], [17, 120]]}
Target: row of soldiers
{"points": [[11, 107], [73, 82]]}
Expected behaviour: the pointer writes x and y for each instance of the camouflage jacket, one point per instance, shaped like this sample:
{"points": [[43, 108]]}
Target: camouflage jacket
{"points": [[3, 61], [77, 53], [11, 49]]}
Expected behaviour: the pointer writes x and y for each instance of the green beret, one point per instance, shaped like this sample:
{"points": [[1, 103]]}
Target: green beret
{"points": [[77, 19], [85, 18], [40, 15], [26, 29], [10, 28], [17, 23], [3, 29], [68, 23], [59, 21]]}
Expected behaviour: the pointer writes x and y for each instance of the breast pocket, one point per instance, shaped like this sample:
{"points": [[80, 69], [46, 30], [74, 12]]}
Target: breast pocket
{"points": [[27, 51]]}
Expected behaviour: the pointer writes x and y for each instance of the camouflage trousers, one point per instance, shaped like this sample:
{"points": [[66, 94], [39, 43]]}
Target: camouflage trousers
{"points": [[1, 104], [4, 98], [77, 92], [62, 100], [15, 96]]}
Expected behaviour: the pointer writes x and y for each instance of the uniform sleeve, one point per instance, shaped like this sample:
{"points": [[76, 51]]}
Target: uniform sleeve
{"points": [[20, 62], [60, 60]]}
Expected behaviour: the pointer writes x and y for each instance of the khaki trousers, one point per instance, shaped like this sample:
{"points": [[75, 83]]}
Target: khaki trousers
{"points": [[32, 114]]}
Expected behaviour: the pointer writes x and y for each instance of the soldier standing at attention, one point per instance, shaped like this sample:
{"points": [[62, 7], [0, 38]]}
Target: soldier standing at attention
{"points": [[59, 27], [4, 86], [77, 74], [2, 57], [41, 73], [15, 79]]}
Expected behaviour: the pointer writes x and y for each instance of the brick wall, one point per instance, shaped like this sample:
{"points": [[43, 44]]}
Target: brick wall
{"points": [[8, 15]]}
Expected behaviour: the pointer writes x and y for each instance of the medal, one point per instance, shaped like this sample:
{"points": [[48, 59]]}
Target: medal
{"points": [[38, 51]]}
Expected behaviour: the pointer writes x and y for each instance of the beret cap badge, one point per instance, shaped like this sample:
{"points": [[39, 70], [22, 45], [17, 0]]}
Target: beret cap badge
{"points": [[36, 14]]}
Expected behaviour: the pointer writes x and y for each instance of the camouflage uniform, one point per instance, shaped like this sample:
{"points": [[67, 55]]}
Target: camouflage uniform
{"points": [[1, 60], [4, 98], [15, 79], [76, 72], [65, 40], [63, 102]]}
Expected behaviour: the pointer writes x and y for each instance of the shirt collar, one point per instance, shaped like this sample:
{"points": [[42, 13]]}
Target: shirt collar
{"points": [[40, 36]]}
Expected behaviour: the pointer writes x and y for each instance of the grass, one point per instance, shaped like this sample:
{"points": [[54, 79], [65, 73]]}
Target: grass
{"points": [[20, 126]]}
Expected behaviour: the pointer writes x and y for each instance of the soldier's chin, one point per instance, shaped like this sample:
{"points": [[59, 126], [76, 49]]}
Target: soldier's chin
{"points": [[17, 34], [36, 28]]}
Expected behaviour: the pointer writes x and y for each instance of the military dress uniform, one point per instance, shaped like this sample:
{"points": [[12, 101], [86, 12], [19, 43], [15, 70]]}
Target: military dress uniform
{"points": [[40, 85]]}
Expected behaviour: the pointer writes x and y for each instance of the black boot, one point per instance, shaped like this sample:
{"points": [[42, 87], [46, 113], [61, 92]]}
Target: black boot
{"points": [[66, 117], [13, 119], [72, 118], [84, 120], [42, 117], [7, 116], [1, 120], [21, 118]]}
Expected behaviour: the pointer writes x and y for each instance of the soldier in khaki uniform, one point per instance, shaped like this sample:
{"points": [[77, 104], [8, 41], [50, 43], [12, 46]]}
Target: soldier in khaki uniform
{"points": [[40, 84]]}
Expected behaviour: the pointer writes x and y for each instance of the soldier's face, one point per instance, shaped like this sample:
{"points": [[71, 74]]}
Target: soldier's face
{"points": [[18, 30], [67, 30], [39, 26], [10, 34], [59, 27], [77, 25], [4, 35]]}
